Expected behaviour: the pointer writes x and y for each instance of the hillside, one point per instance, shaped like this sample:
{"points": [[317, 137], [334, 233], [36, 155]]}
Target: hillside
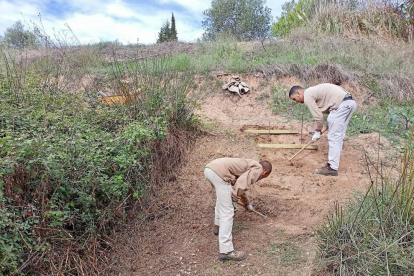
{"points": [[91, 188], [178, 239]]}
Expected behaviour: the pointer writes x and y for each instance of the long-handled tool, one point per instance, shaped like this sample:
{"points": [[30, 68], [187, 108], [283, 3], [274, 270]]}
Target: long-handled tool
{"points": [[260, 214], [310, 142]]}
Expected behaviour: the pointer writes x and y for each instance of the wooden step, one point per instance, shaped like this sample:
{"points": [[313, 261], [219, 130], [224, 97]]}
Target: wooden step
{"points": [[288, 146], [271, 131]]}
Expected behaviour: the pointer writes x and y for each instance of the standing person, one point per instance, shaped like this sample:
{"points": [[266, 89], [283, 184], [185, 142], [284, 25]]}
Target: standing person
{"points": [[231, 178], [338, 103]]}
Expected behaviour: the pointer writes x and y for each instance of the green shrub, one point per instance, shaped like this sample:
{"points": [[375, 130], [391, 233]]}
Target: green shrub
{"points": [[283, 105], [362, 18], [293, 15], [374, 234], [73, 167]]}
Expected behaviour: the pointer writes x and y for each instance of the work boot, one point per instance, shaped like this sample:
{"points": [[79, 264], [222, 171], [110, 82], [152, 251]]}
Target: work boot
{"points": [[233, 256], [216, 230], [327, 170]]}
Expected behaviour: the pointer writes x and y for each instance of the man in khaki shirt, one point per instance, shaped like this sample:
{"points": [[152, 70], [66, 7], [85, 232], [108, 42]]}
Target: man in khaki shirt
{"points": [[231, 178], [327, 98]]}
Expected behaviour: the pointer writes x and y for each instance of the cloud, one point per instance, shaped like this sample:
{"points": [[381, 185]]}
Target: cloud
{"points": [[119, 10], [14, 11], [195, 6], [108, 20]]}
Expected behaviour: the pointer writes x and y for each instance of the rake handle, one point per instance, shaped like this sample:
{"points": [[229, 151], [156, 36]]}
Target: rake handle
{"points": [[301, 150], [310, 142]]}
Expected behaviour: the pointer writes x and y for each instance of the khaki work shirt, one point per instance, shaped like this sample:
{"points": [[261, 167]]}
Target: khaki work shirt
{"points": [[323, 98], [240, 173]]}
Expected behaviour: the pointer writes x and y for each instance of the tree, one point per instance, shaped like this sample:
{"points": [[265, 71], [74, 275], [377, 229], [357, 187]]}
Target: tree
{"points": [[173, 29], [244, 19], [164, 33], [293, 15], [18, 37], [167, 32]]}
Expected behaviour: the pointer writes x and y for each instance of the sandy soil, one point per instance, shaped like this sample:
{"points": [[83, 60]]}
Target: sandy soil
{"points": [[296, 201]]}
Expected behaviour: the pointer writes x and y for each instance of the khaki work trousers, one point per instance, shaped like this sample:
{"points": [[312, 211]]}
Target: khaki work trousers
{"points": [[224, 211], [338, 121]]}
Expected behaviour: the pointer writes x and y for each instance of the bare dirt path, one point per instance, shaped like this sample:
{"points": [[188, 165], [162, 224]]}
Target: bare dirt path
{"points": [[296, 201]]}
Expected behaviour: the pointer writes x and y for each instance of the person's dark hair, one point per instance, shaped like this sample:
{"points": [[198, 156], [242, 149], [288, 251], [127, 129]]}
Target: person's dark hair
{"points": [[294, 89], [266, 165]]}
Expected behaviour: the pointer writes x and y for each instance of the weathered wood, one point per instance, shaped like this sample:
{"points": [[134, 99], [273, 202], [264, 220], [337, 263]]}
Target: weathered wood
{"points": [[271, 131], [288, 146]]}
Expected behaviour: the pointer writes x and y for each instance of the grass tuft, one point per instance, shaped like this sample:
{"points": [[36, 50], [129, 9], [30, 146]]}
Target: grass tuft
{"points": [[374, 234]]}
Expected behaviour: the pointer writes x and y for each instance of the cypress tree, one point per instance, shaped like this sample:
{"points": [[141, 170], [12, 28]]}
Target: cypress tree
{"points": [[167, 36], [173, 36]]}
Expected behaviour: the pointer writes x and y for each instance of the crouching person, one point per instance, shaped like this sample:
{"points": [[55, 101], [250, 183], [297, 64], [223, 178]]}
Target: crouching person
{"points": [[231, 178]]}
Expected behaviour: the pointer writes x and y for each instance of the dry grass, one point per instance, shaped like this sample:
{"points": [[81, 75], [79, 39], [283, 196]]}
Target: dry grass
{"points": [[380, 19]]}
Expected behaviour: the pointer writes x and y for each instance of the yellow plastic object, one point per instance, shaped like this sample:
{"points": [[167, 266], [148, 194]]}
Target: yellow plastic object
{"points": [[117, 99]]}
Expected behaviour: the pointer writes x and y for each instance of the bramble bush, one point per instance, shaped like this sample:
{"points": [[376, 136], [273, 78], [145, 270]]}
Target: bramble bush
{"points": [[70, 167]]}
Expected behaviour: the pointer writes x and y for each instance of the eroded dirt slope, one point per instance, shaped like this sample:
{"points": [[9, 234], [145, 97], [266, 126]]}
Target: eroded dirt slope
{"points": [[296, 201]]}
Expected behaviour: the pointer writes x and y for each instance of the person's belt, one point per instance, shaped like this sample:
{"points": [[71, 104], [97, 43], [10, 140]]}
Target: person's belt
{"points": [[347, 97]]}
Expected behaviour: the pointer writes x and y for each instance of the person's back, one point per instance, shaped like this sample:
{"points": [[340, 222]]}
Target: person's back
{"points": [[231, 178], [232, 169], [327, 96]]}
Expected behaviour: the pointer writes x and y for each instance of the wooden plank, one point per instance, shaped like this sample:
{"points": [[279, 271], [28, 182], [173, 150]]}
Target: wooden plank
{"points": [[288, 146], [271, 131]]}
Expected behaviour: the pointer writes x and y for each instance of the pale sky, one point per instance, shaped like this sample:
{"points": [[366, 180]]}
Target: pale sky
{"points": [[103, 20]]}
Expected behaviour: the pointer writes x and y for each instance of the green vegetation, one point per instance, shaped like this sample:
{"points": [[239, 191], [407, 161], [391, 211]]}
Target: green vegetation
{"points": [[244, 20], [71, 168], [374, 234], [167, 32], [391, 19], [293, 15], [283, 105], [18, 37], [391, 114], [286, 253]]}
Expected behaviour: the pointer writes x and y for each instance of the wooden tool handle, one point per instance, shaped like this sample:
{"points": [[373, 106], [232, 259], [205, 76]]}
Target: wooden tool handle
{"points": [[262, 215], [301, 150], [310, 142]]}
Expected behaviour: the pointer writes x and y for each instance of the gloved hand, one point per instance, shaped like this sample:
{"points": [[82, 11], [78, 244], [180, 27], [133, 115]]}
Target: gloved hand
{"points": [[316, 136], [249, 207]]}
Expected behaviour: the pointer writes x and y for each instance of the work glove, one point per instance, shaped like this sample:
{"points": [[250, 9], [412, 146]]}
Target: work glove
{"points": [[316, 136], [249, 207]]}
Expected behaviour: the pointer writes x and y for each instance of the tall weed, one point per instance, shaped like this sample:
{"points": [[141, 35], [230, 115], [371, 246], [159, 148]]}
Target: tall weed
{"points": [[71, 168], [374, 234]]}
